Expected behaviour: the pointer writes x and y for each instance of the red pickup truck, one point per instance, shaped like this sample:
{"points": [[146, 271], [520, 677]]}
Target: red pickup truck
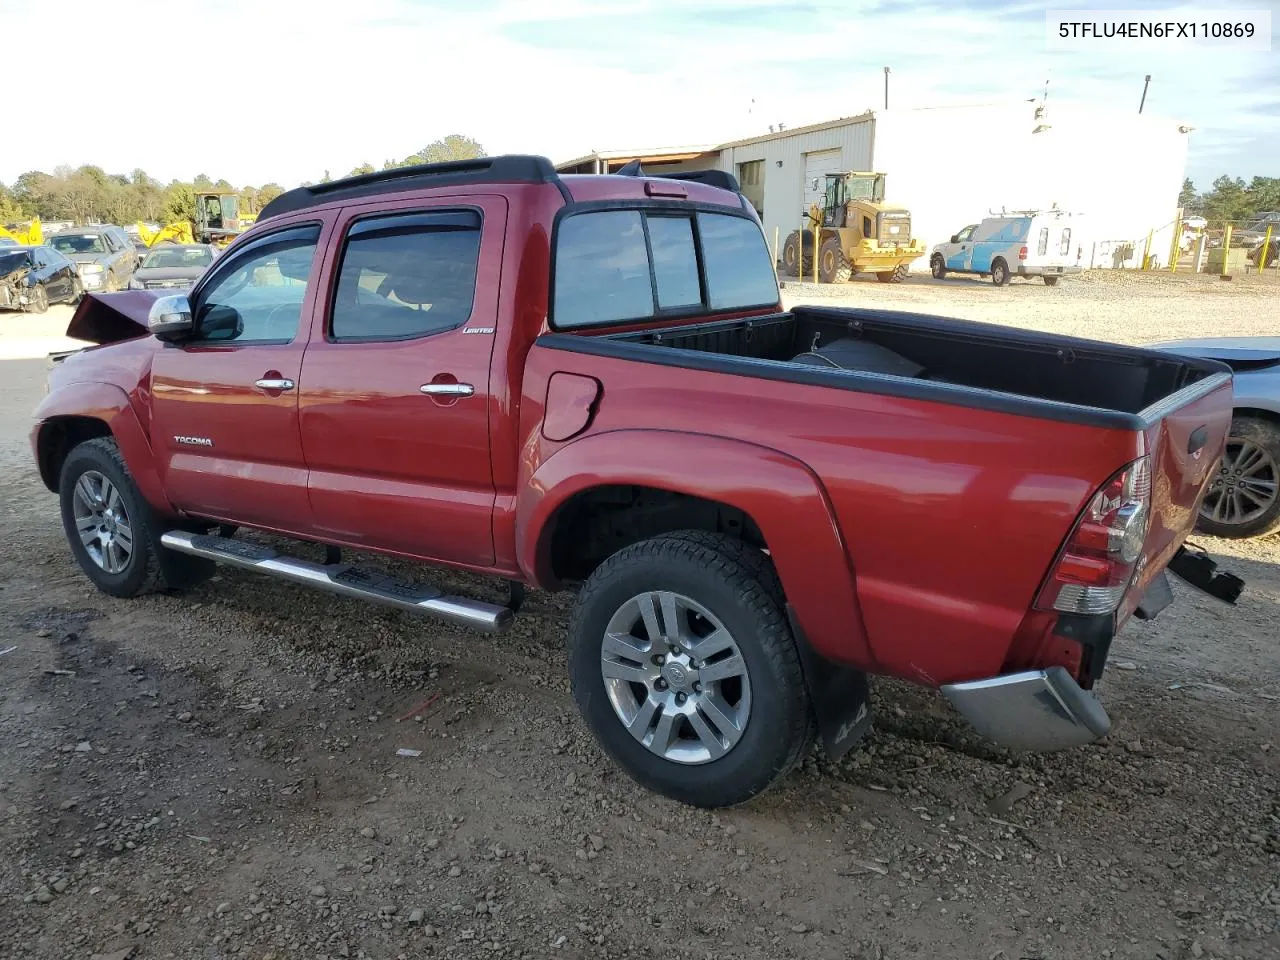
{"points": [[589, 382]]}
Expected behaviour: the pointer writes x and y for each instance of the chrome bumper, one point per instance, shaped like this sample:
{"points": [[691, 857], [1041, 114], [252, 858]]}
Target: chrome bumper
{"points": [[1036, 710]]}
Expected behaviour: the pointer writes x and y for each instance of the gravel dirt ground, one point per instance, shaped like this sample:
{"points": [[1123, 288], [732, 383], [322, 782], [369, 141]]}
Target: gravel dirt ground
{"points": [[215, 774]]}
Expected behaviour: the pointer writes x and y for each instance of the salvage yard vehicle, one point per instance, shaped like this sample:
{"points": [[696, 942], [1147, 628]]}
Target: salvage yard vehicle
{"points": [[1244, 498], [31, 278], [588, 383], [1029, 244], [859, 233], [172, 266], [103, 255]]}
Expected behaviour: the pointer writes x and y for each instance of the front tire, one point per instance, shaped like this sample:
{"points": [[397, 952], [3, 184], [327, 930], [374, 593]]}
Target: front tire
{"points": [[38, 299], [1244, 498], [794, 260], [938, 267], [112, 530], [684, 666], [999, 273], [833, 267]]}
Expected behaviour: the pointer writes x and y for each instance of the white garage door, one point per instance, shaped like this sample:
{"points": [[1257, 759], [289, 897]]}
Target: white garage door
{"points": [[816, 167]]}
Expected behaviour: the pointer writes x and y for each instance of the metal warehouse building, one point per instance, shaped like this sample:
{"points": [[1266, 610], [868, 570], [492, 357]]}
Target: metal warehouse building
{"points": [[1120, 173]]}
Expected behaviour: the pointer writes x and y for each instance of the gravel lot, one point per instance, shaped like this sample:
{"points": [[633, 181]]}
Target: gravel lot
{"points": [[215, 774]]}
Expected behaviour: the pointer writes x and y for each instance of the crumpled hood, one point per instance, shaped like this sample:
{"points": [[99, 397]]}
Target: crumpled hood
{"points": [[109, 317]]}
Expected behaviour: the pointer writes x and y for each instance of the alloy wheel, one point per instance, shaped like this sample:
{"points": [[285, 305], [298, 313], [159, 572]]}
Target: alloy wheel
{"points": [[1246, 485], [102, 522], [675, 677]]}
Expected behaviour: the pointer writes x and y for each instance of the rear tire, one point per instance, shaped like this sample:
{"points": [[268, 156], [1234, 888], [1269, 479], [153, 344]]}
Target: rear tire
{"points": [[113, 532], [890, 276], [832, 265], [1236, 505], [684, 574], [38, 299], [938, 267], [999, 272], [1050, 281]]}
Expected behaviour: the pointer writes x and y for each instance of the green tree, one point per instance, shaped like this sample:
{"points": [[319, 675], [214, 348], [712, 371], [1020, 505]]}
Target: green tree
{"points": [[453, 147], [1264, 194], [10, 208], [361, 170], [1187, 195], [1228, 200], [268, 192], [179, 202]]}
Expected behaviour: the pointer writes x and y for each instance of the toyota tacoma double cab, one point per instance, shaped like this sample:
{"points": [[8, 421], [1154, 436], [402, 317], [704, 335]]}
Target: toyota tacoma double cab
{"points": [[589, 383]]}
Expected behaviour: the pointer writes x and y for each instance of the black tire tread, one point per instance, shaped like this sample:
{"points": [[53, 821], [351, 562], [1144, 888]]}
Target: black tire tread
{"points": [[729, 559]]}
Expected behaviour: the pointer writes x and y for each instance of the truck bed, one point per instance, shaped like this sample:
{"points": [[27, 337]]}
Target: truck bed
{"points": [[980, 365], [955, 459]]}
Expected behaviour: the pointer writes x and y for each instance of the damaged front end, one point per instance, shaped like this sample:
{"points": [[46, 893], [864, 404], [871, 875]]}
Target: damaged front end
{"points": [[14, 287]]}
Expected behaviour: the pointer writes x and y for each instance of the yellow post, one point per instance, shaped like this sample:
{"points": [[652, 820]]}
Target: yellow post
{"points": [[1226, 251], [1146, 251], [775, 250], [1262, 254], [816, 232], [1175, 248]]}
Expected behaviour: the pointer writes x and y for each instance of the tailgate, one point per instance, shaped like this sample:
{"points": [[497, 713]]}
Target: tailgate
{"points": [[1185, 439]]}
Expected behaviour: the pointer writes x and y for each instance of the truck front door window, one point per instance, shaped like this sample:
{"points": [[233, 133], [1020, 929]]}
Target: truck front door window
{"points": [[407, 276], [257, 298]]}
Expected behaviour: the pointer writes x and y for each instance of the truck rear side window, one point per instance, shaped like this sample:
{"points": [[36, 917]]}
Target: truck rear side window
{"points": [[407, 275], [616, 266], [1043, 246]]}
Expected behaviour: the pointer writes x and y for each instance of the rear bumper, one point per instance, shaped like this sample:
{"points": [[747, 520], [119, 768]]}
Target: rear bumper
{"points": [[1034, 710], [1032, 270]]}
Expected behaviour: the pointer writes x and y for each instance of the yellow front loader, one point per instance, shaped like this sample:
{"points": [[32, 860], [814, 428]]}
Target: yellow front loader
{"points": [[854, 231], [29, 234]]}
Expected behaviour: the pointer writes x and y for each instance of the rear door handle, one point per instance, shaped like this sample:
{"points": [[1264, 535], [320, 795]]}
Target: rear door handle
{"points": [[447, 389], [274, 383]]}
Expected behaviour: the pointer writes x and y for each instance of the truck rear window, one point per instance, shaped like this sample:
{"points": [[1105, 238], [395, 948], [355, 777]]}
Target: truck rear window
{"points": [[616, 266]]}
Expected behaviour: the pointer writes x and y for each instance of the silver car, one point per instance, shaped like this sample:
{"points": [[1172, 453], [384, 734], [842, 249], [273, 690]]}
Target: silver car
{"points": [[1244, 501]]}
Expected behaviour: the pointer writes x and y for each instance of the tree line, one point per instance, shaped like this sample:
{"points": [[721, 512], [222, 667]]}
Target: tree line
{"points": [[88, 194], [1230, 198]]}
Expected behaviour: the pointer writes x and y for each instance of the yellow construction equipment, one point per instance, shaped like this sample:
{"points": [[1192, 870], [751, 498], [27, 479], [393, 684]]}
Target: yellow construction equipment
{"points": [[29, 234], [854, 231], [179, 232]]}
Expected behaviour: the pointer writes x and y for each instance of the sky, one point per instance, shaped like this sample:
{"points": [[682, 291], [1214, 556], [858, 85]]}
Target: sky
{"points": [[280, 90]]}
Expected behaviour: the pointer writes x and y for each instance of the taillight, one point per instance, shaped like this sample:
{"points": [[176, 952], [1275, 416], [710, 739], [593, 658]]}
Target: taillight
{"points": [[1022, 253], [1094, 569]]}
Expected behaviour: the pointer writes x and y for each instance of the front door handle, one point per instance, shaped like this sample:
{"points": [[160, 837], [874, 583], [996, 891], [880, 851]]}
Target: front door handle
{"points": [[274, 383], [447, 389]]}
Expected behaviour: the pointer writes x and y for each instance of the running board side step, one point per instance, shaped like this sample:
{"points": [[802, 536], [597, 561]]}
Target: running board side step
{"points": [[345, 580]]}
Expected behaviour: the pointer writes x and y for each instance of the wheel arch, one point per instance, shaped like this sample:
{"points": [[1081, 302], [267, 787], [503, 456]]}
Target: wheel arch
{"points": [[759, 494], [84, 411]]}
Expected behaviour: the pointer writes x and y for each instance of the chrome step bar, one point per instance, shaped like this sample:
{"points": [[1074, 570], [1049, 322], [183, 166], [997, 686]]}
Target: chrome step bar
{"points": [[344, 579]]}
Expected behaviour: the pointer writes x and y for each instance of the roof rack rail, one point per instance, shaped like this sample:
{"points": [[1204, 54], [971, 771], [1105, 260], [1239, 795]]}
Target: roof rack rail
{"points": [[509, 168], [712, 178]]}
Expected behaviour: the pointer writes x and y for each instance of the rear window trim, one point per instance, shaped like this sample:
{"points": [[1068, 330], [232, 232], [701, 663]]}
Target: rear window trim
{"points": [[688, 208]]}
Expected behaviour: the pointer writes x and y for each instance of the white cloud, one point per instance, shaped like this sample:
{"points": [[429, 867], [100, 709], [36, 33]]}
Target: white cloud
{"points": [[258, 90]]}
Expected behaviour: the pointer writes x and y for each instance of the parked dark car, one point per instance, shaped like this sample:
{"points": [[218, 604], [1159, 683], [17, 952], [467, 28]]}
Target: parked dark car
{"points": [[172, 266], [31, 278], [104, 255]]}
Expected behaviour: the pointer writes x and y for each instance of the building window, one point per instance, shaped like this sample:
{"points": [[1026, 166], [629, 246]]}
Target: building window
{"points": [[751, 174]]}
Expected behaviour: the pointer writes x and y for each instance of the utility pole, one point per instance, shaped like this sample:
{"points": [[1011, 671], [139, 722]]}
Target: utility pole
{"points": [[886, 88], [1146, 82]]}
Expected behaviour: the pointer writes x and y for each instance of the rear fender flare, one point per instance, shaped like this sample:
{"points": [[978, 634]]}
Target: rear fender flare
{"points": [[109, 404], [782, 495]]}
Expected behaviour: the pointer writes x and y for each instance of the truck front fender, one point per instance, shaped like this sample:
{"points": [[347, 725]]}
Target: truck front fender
{"points": [[59, 415], [780, 494]]}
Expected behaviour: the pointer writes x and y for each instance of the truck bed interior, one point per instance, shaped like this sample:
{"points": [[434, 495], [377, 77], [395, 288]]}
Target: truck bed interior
{"points": [[888, 351]]}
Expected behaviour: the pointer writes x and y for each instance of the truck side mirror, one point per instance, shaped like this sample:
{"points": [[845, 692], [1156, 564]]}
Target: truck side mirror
{"points": [[170, 318], [955, 238]]}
